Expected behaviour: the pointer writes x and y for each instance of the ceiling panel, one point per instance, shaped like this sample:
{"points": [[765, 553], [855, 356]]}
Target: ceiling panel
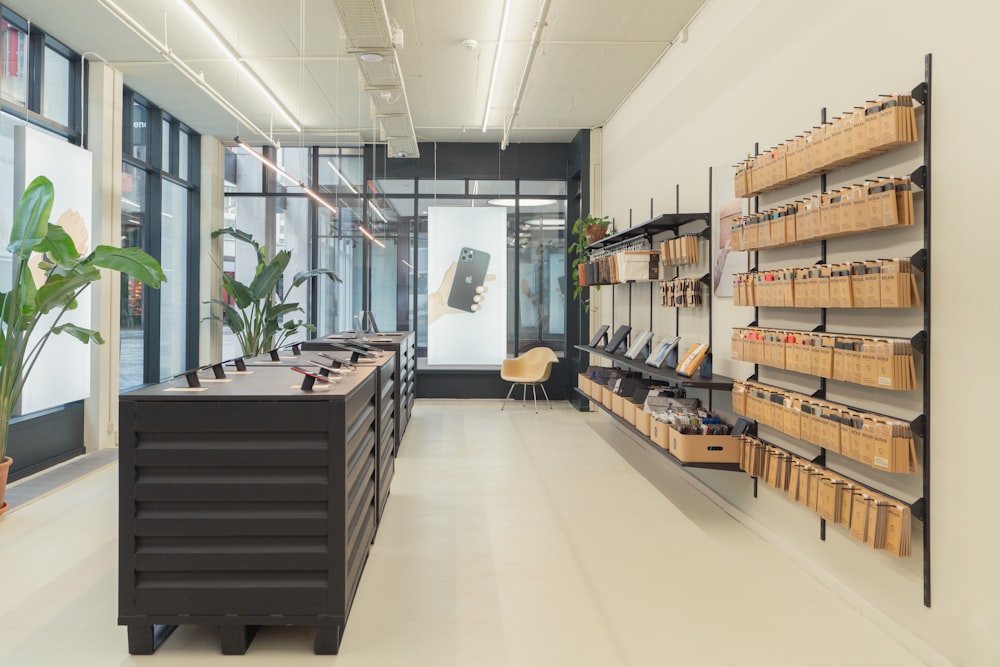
{"points": [[592, 54]]}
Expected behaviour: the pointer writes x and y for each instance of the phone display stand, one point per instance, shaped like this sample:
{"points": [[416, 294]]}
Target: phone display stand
{"points": [[602, 341], [241, 365], [192, 378], [368, 323], [218, 371], [671, 360], [274, 355]]}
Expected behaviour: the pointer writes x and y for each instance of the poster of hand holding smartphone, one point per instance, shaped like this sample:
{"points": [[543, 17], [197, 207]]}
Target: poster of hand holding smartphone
{"points": [[467, 285]]}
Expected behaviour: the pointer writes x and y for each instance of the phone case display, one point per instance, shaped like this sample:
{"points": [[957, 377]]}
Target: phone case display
{"points": [[882, 442], [877, 204], [877, 126], [680, 251], [681, 293], [873, 283], [639, 343], [658, 357], [866, 360], [878, 520]]}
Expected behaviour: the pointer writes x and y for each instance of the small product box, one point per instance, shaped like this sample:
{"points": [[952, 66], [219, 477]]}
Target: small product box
{"points": [[618, 404], [643, 421]]}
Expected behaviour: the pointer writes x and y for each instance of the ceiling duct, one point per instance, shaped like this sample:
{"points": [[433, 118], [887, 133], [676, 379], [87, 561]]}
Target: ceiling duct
{"points": [[369, 37]]}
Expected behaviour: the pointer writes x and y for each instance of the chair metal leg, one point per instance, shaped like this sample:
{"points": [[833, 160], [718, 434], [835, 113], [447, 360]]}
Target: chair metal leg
{"points": [[546, 396], [508, 396], [524, 396], [534, 397]]}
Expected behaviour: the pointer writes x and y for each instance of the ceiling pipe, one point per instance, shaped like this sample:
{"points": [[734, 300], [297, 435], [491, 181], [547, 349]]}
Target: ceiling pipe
{"points": [[195, 77], [536, 40]]}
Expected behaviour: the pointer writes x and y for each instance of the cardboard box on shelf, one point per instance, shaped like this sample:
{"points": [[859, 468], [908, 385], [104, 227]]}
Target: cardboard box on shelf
{"points": [[703, 448]]}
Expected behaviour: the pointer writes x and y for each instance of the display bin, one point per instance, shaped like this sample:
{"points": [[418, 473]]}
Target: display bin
{"points": [[703, 448], [606, 395], [659, 433], [583, 382], [642, 421], [630, 412], [618, 405]]}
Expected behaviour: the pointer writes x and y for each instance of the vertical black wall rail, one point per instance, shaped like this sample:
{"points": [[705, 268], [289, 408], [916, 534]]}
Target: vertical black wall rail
{"points": [[926, 101], [822, 317]]}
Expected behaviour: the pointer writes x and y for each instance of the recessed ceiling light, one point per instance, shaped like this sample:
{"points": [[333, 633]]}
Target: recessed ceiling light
{"points": [[371, 57], [524, 201]]}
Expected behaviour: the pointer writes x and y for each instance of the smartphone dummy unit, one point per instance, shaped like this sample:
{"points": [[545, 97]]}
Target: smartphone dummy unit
{"points": [[470, 273]]}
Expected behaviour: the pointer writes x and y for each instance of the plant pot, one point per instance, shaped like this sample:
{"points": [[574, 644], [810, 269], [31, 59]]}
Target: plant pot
{"points": [[594, 233], [4, 469], [581, 275]]}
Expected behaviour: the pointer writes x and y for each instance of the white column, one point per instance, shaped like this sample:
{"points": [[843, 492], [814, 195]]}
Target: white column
{"points": [[212, 218], [104, 139]]}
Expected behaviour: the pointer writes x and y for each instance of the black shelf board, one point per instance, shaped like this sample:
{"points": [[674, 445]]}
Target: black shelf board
{"points": [[728, 467], [660, 223], [665, 374]]}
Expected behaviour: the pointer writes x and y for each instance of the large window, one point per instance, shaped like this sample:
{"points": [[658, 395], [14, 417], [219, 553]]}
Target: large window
{"points": [[160, 215]]}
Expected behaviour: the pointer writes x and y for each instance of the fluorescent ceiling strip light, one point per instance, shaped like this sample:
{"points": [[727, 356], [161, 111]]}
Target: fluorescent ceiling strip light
{"points": [[377, 212], [496, 62], [271, 165], [235, 57], [341, 177], [183, 67]]}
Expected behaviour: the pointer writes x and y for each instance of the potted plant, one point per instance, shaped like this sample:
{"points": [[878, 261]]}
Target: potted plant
{"points": [[257, 310], [48, 275], [585, 231]]}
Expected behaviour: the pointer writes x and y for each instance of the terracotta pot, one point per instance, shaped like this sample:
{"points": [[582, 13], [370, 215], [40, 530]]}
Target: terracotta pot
{"points": [[582, 275], [4, 469], [594, 233]]}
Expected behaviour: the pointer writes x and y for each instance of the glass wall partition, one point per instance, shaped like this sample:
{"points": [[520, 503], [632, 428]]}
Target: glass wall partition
{"points": [[159, 203]]}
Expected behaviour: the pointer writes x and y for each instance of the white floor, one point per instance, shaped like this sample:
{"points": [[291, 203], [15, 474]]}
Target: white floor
{"points": [[509, 539]]}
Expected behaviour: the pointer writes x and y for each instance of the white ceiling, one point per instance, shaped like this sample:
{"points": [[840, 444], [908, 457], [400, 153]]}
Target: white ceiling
{"points": [[592, 53]]}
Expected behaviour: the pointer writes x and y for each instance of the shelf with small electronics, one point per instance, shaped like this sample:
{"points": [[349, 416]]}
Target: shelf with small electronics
{"points": [[813, 286], [671, 250]]}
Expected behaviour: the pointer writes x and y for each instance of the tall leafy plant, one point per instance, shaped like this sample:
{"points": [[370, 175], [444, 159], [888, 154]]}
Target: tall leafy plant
{"points": [[255, 316], [578, 250], [48, 276]]}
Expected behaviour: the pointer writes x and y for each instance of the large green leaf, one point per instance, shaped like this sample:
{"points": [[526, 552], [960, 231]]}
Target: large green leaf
{"points": [[79, 333], [58, 292], [240, 292], [241, 235], [58, 245], [280, 310], [303, 276], [31, 217], [266, 280], [231, 316], [130, 261]]}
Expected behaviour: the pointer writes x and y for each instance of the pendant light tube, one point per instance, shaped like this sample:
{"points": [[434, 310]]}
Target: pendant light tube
{"points": [[183, 68], [496, 62], [278, 170], [232, 54]]}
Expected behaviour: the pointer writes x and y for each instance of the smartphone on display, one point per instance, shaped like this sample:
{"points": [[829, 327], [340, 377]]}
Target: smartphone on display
{"points": [[315, 376], [470, 273]]}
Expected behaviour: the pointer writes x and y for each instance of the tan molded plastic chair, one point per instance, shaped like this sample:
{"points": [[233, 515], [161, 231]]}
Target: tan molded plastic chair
{"points": [[531, 368]]}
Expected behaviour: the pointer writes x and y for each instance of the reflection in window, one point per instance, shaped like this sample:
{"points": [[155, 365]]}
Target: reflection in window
{"points": [[140, 132], [132, 312], [55, 96], [14, 79], [173, 293]]}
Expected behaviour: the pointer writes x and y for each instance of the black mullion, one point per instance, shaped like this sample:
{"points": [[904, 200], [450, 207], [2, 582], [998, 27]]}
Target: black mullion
{"points": [[36, 71], [153, 241], [191, 338], [312, 299]]}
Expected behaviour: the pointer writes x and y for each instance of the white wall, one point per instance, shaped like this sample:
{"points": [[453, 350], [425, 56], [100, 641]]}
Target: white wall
{"points": [[706, 103]]}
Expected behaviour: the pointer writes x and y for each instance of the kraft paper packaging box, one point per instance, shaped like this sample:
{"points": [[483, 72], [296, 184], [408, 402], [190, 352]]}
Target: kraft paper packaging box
{"points": [[792, 422], [740, 182], [829, 213], [854, 128], [704, 448], [793, 157], [872, 284], [841, 295], [823, 286], [835, 141], [871, 126]]}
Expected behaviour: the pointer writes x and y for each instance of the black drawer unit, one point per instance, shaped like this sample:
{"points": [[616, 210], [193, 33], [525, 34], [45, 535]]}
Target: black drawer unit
{"points": [[245, 502], [404, 345]]}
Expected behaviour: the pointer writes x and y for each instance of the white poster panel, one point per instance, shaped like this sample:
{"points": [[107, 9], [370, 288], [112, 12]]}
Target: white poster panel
{"points": [[467, 285], [62, 373], [726, 209]]}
